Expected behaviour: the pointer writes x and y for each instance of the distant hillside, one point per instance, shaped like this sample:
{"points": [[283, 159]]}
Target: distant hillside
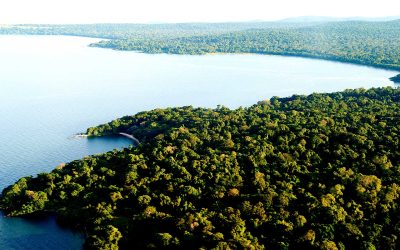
{"points": [[321, 19], [368, 43]]}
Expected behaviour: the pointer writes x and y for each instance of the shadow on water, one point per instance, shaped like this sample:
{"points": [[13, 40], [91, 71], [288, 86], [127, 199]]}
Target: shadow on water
{"points": [[37, 232], [46, 230]]}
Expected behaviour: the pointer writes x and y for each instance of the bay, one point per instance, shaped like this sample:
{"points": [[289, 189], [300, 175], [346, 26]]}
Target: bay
{"points": [[52, 87]]}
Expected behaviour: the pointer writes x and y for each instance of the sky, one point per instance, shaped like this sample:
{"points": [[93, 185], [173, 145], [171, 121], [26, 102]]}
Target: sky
{"points": [[153, 11]]}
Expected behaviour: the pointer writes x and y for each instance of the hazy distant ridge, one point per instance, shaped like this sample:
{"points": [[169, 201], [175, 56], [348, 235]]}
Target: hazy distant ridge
{"points": [[316, 19]]}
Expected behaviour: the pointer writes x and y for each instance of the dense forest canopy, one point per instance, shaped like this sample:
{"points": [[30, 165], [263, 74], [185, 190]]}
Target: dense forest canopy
{"points": [[305, 172]]}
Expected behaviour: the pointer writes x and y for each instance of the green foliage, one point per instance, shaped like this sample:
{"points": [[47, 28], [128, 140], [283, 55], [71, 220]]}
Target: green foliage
{"points": [[368, 43], [105, 238], [305, 172]]}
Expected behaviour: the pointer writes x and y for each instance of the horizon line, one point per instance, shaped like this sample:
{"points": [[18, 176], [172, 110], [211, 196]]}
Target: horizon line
{"points": [[285, 19]]}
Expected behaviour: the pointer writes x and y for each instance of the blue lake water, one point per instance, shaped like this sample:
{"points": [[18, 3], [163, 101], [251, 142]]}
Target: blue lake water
{"points": [[52, 87]]}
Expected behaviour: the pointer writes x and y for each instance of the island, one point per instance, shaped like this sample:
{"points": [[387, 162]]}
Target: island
{"points": [[320, 171]]}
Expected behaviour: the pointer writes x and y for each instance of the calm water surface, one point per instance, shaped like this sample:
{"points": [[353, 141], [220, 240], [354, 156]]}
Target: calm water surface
{"points": [[54, 87]]}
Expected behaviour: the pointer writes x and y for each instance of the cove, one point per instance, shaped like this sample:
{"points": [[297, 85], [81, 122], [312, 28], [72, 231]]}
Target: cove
{"points": [[53, 87]]}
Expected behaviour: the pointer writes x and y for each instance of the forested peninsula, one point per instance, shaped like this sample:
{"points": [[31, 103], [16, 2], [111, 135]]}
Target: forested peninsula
{"points": [[374, 44], [396, 79], [304, 172]]}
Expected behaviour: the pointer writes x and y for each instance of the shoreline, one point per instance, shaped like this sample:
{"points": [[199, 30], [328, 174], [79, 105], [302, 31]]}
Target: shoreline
{"points": [[137, 142], [322, 57], [129, 136], [284, 54]]}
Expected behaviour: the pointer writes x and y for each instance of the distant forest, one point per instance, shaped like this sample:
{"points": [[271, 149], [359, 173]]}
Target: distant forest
{"points": [[320, 171], [368, 43]]}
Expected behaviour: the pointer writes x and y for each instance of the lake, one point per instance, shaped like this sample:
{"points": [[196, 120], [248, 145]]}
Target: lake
{"points": [[53, 87]]}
